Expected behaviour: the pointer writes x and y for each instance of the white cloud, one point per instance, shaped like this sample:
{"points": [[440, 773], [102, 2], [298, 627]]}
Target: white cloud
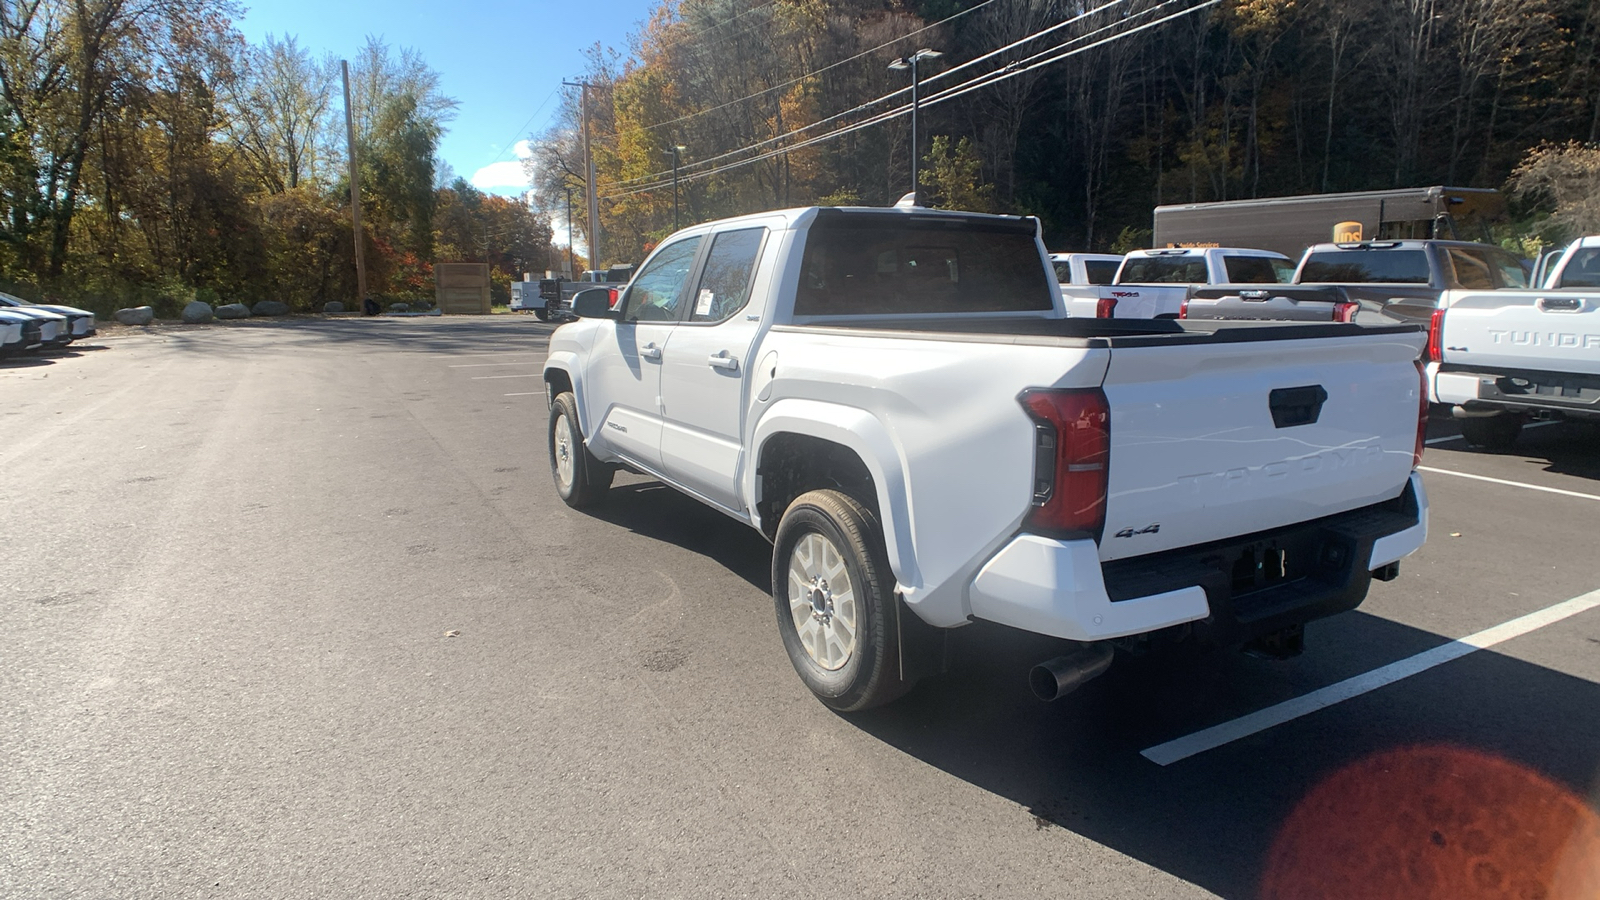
{"points": [[506, 174]]}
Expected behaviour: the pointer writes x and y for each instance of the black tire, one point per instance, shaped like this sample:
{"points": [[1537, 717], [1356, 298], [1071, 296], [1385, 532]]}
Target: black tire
{"points": [[867, 673], [587, 479], [542, 315], [1497, 433]]}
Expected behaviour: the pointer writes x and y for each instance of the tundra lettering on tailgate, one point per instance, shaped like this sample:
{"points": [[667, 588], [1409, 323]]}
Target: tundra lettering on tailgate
{"points": [[1229, 479]]}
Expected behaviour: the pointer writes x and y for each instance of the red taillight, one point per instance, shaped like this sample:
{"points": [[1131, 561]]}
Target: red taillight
{"points": [[1183, 309], [1422, 414], [1345, 312], [1072, 452], [1106, 308], [1436, 337], [614, 296]]}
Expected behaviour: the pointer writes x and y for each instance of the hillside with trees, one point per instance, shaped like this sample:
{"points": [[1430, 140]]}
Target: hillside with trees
{"points": [[149, 154], [1086, 115]]}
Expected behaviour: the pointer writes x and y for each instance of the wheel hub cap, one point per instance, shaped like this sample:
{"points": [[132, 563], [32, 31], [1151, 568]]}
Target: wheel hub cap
{"points": [[822, 601]]}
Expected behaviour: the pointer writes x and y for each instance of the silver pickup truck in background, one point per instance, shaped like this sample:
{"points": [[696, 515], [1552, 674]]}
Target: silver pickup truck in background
{"points": [[1369, 283], [1498, 358]]}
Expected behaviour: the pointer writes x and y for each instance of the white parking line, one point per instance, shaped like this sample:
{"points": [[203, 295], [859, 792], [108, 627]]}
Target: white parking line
{"points": [[1531, 487], [1456, 437], [508, 351], [526, 394], [490, 377], [1210, 738], [483, 365]]}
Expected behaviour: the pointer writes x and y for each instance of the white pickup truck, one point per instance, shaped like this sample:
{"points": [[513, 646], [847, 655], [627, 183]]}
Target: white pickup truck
{"points": [[1154, 284], [897, 400], [1499, 357]]}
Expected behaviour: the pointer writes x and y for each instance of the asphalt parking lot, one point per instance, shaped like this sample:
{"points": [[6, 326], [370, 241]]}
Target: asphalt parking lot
{"points": [[292, 610]]}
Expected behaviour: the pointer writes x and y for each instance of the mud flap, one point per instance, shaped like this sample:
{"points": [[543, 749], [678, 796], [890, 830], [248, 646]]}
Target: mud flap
{"points": [[924, 649]]}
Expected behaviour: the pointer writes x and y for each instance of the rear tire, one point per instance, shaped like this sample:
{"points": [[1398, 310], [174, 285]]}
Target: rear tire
{"points": [[580, 479], [834, 596], [1498, 433]]}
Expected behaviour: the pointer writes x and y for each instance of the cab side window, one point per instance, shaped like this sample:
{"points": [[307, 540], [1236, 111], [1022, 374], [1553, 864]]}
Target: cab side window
{"points": [[1583, 270], [1471, 272], [730, 269], [656, 295]]}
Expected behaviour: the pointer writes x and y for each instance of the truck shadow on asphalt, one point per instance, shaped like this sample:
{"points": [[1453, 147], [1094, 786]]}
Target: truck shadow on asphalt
{"points": [[1212, 819], [1570, 448], [652, 509]]}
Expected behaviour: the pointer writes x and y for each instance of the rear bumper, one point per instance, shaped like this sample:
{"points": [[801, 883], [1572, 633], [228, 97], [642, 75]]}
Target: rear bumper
{"points": [[1227, 592], [1518, 390]]}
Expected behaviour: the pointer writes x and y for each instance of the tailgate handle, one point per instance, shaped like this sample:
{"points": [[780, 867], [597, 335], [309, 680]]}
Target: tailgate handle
{"points": [[1560, 304], [1296, 405]]}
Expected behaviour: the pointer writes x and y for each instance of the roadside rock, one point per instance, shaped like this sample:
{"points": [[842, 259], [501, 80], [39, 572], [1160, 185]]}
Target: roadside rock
{"points": [[138, 315], [333, 306], [270, 308], [233, 311], [399, 307], [198, 312]]}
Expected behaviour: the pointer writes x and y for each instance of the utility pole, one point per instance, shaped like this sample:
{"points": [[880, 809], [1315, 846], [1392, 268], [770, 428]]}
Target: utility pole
{"points": [[900, 65], [676, 149], [588, 168], [570, 269], [355, 192]]}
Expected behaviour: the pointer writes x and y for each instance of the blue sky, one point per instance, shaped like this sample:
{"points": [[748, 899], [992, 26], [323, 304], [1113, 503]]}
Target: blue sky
{"points": [[499, 59]]}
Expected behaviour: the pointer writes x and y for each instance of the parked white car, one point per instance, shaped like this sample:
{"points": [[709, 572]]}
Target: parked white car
{"points": [[17, 333], [80, 322], [898, 400], [54, 329]]}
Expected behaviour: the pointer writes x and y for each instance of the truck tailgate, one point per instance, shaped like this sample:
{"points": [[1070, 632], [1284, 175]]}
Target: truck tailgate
{"points": [[1250, 432], [1548, 331]]}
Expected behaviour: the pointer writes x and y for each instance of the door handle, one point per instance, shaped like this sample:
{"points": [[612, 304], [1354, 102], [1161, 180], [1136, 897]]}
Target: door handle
{"points": [[724, 362], [650, 351], [1560, 304]]}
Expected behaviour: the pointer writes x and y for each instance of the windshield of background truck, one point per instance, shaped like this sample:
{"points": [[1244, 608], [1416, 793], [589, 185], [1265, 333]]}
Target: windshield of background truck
{"points": [[864, 265], [1258, 270], [1164, 270], [1366, 266]]}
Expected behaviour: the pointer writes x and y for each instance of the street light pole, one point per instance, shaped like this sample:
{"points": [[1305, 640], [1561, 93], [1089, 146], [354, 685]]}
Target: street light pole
{"points": [[900, 65], [673, 152]]}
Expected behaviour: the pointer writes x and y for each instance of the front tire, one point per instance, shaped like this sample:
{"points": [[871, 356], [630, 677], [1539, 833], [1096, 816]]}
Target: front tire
{"points": [[542, 315], [834, 596], [1498, 433], [580, 479]]}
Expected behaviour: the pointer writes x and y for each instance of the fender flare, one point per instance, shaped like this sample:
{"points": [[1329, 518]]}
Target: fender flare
{"points": [[869, 439], [566, 362]]}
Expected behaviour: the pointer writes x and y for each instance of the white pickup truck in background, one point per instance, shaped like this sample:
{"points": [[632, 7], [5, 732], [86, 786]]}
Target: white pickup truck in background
{"points": [[1085, 268], [1153, 284], [1500, 357], [898, 401]]}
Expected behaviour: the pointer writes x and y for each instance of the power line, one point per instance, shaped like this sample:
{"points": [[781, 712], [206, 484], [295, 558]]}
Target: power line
{"points": [[656, 179], [513, 142], [813, 74], [895, 93], [950, 93]]}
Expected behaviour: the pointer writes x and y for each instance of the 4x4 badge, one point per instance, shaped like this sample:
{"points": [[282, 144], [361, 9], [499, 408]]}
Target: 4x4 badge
{"points": [[1130, 532]]}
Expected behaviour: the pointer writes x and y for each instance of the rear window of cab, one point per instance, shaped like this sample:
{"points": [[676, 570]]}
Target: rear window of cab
{"points": [[861, 264]]}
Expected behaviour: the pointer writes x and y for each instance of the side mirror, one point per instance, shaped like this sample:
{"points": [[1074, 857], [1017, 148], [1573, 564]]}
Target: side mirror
{"points": [[594, 303]]}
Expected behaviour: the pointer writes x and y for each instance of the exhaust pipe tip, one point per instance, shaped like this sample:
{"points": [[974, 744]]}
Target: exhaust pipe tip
{"points": [[1056, 678]]}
